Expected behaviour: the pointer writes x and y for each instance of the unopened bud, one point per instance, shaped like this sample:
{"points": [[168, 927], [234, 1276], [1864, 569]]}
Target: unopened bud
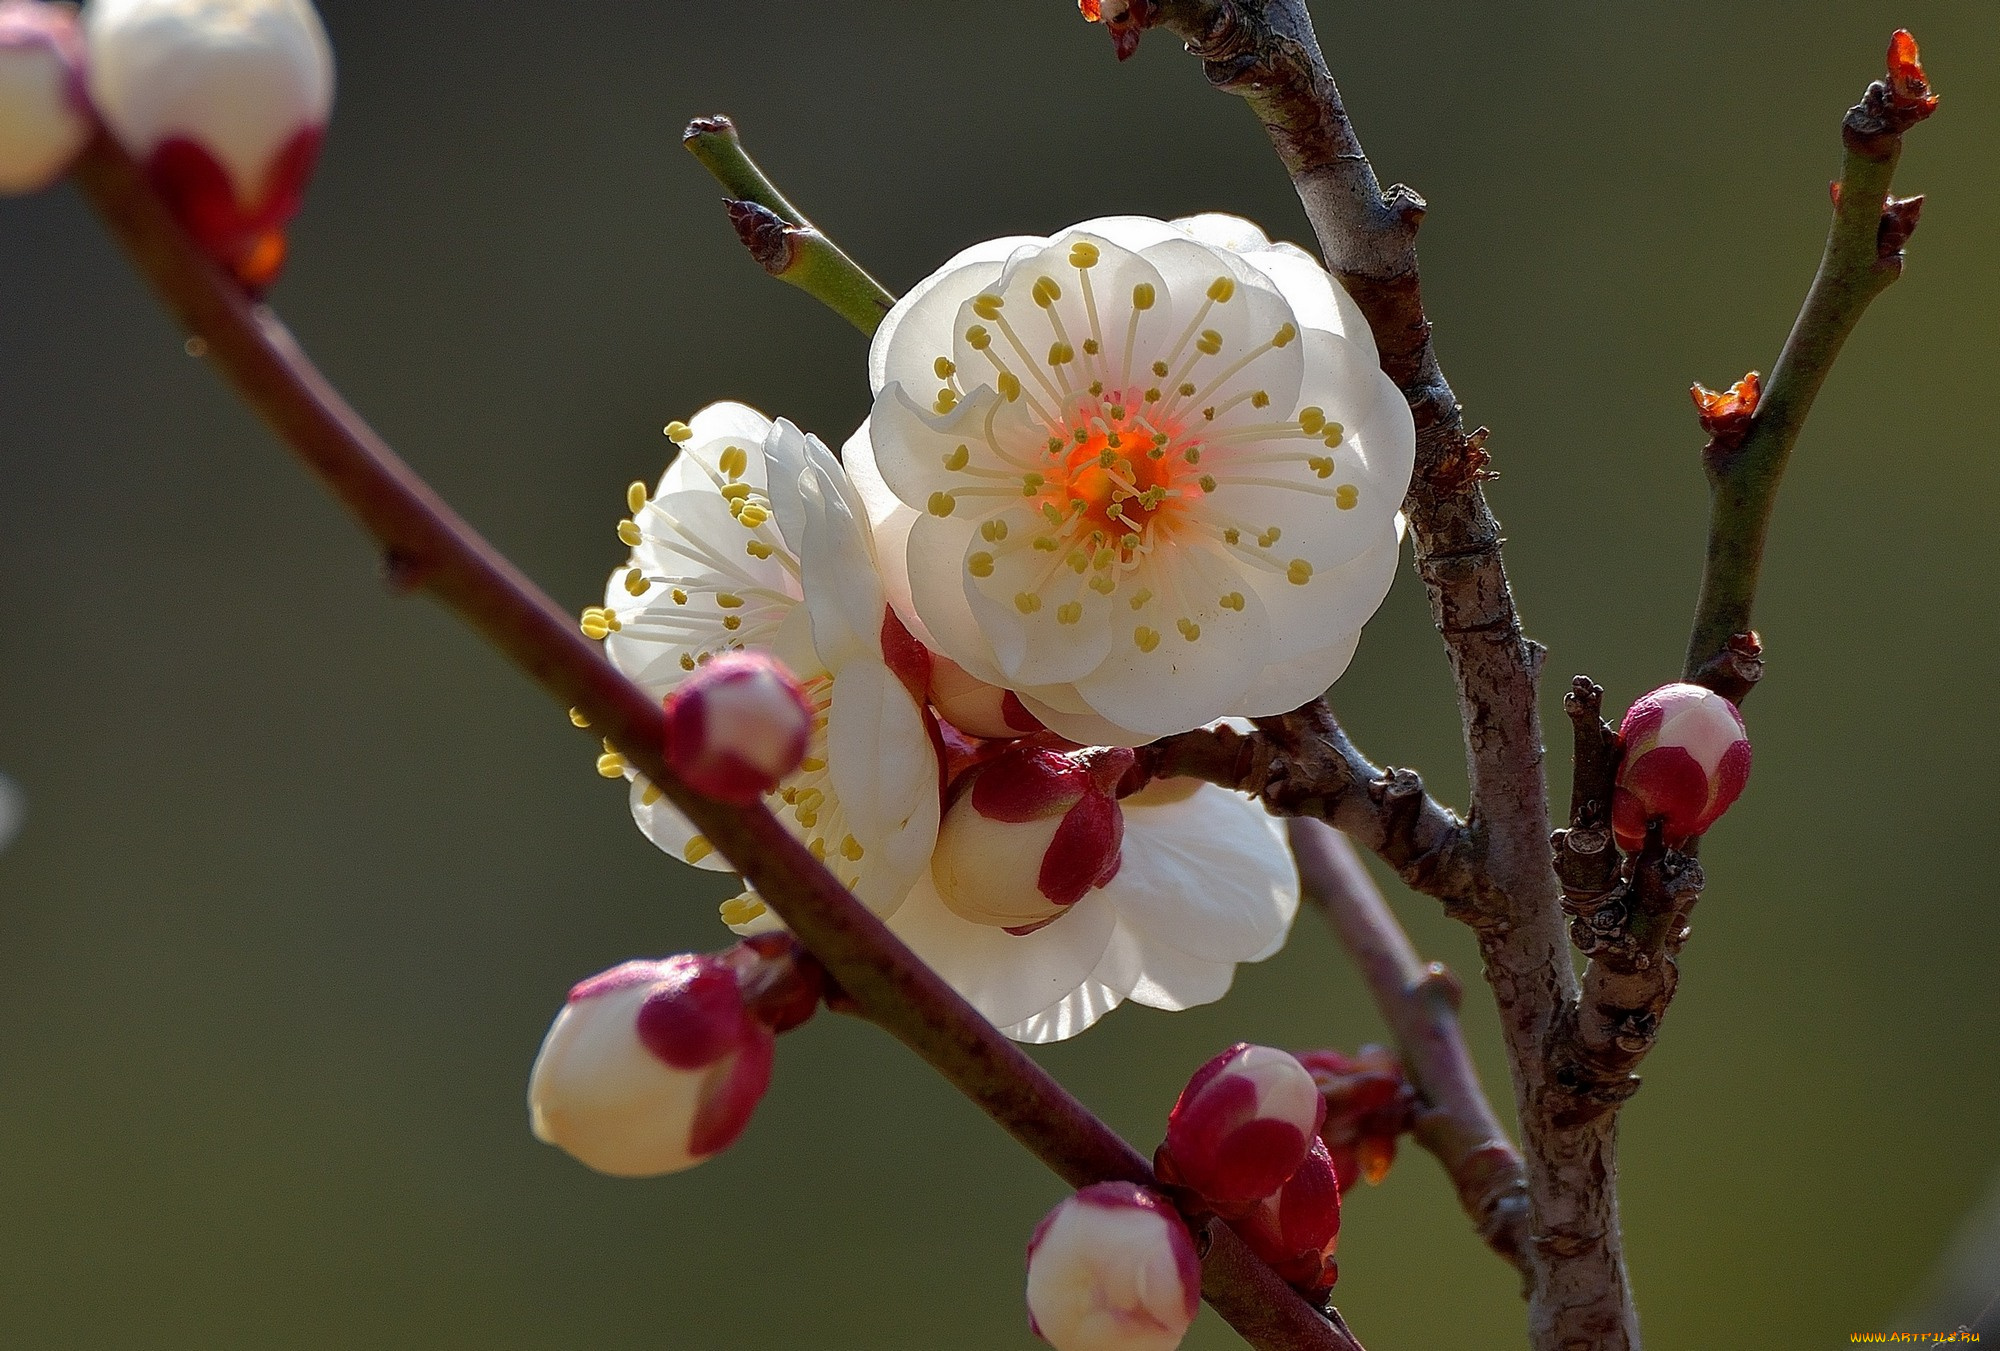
{"points": [[975, 707], [224, 103], [1369, 1104], [651, 1067], [1296, 1228], [44, 113], [1035, 833], [1244, 1123], [1112, 1268], [1687, 758], [737, 726]]}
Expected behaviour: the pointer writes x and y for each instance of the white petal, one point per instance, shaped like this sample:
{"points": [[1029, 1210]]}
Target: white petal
{"points": [[1118, 970], [936, 569], [841, 590], [1320, 617], [1007, 977], [1316, 297], [1175, 980], [698, 464], [1209, 875], [1086, 729], [885, 775], [1285, 685], [917, 328], [663, 824], [1224, 231]]}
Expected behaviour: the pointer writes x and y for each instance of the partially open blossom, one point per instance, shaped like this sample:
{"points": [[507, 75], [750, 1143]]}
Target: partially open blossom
{"points": [[224, 103], [737, 726], [1687, 758], [1143, 474], [1112, 1268], [1035, 832], [753, 542], [1296, 1228], [650, 1067], [1205, 880], [44, 113], [1369, 1106], [1244, 1123]]}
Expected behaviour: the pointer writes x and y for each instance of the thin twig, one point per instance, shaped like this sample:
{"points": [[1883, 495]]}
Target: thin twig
{"points": [[777, 234], [1265, 51], [1420, 1003], [431, 548], [1863, 257]]}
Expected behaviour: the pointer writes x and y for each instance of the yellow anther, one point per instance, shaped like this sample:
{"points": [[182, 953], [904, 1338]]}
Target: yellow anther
{"points": [[1143, 296], [697, 849], [1009, 386], [1186, 390], [1153, 395], [1046, 544], [679, 431], [817, 848], [1069, 613], [980, 564], [978, 338], [1027, 602], [1128, 542], [1160, 368], [635, 498], [987, 306], [1209, 343], [1046, 292], [687, 661], [576, 718], [1208, 413], [1321, 465], [1031, 483], [945, 401], [811, 799], [733, 461], [650, 794], [809, 819], [1192, 455], [753, 516], [596, 623], [1232, 535], [1221, 289], [729, 600], [1061, 354], [737, 492], [1106, 557], [1207, 482], [1335, 433], [636, 583], [1299, 573], [1189, 629], [1232, 601], [1311, 420], [1146, 639], [1259, 399], [1141, 598], [630, 534], [1091, 349], [945, 368], [1283, 337], [850, 849], [1082, 254], [1271, 536], [993, 531], [1346, 496], [680, 596], [756, 548], [1053, 512], [958, 458], [732, 622], [942, 504], [1096, 386], [1103, 584], [611, 765], [741, 910], [811, 765], [1078, 561]]}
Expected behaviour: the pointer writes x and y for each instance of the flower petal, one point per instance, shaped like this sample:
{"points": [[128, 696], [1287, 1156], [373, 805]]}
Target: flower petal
{"points": [[1209, 875], [885, 775], [918, 328]]}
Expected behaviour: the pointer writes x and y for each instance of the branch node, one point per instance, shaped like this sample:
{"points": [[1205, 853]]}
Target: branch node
{"points": [[1736, 669], [770, 239]]}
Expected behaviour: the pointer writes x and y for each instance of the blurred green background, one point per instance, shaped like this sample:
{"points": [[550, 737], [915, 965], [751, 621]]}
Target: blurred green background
{"points": [[307, 870]]}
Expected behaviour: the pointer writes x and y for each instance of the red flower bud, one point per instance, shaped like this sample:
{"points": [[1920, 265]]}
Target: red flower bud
{"points": [[1369, 1103], [1686, 759], [737, 726], [1244, 1123], [1296, 1228]]}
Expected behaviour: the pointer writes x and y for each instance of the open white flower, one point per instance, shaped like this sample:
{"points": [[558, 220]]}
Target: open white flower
{"points": [[754, 539], [1206, 880], [1145, 475]]}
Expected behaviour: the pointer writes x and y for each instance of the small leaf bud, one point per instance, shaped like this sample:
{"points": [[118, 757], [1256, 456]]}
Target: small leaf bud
{"points": [[1244, 1123], [1112, 1268], [44, 114], [737, 726], [1686, 759]]}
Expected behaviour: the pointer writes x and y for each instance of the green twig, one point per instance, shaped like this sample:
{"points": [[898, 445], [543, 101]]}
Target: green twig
{"points": [[780, 238]]}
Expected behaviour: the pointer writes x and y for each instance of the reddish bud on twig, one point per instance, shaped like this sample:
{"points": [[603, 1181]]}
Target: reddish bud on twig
{"points": [[1726, 414], [1369, 1103], [1296, 1228], [1909, 90], [1899, 222], [1123, 19], [736, 726], [765, 233], [1243, 1125], [1687, 758]]}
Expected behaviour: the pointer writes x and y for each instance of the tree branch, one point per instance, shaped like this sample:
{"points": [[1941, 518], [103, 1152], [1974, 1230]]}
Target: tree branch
{"points": [[1863, 257], [1265, 51], [431, 548], [779, 237], [1420, 1003]]}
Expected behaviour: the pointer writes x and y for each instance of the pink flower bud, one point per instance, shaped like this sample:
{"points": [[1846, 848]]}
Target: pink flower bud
{"points": [[224, 103], [1296, 1228], [1244, 1123], [1369, 1104], [1686, 759], [1112, 1268], [1036, 832], [975, 707], [651, 1067], [736, 726], [44, 114]]}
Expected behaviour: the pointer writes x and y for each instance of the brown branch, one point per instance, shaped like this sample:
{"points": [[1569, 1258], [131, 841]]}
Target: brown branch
{"points": [[1265, 51], [1420, 1003], [430, 547], [1586, 855], [1863, 258], [1304, 765]]}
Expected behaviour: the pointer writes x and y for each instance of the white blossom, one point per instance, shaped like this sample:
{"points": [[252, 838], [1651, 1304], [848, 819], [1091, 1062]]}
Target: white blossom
{"points": [[1143, 474]]}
